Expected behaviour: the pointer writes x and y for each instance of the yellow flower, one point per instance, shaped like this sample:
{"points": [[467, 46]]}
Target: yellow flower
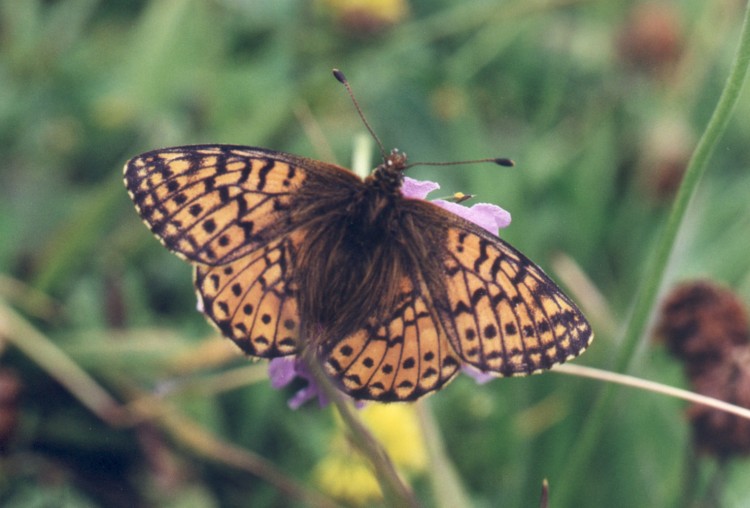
{"points": [[347, 478], [396, 426], [366, 16], [345, 475]]}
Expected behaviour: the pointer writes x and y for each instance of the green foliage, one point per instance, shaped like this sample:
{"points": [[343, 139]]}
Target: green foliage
{"points": [[597, 129]]}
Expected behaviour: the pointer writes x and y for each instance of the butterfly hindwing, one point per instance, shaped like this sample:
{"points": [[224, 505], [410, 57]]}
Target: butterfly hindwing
{"points": [[252, 300], [506, 315], [399, 358]]}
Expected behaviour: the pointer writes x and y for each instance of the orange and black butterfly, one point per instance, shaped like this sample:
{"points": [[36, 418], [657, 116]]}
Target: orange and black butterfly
{"points": [[394, 294]]}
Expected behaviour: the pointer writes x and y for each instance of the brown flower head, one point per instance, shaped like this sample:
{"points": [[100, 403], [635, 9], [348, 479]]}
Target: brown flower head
{"points": [[701, 322], [706, 327], [717, 432], [651, 40]]}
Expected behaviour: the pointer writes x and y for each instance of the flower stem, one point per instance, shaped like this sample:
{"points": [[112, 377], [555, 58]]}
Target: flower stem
{"points": [[395, 491], [645, 300]]}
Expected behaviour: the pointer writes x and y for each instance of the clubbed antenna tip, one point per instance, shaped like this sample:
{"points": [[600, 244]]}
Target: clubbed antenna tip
{"points": [[339, 76], [505, 162]]}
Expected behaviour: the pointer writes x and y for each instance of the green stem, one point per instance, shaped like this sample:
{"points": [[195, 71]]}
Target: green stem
{"points": [[395, 491], [447, 488], [645, 300]]}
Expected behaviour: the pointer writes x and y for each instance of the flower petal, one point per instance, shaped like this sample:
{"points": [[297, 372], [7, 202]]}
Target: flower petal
{"points": [[417, 189], [479, 376], [485, 215], [281, 371], [305, 394]]}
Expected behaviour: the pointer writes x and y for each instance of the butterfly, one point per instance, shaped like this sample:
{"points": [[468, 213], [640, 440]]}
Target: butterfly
{"points": [[393, 294]]}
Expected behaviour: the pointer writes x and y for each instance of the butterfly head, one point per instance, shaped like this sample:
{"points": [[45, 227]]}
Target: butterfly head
{"points": [[389, 175], [396, 160]]}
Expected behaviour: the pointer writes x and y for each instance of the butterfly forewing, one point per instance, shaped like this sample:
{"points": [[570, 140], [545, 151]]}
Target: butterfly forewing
{"points": [[213, 204]]}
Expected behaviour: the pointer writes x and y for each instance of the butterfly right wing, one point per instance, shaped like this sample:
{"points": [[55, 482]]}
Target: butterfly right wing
{"points": [[506, 316], [212, 204]]}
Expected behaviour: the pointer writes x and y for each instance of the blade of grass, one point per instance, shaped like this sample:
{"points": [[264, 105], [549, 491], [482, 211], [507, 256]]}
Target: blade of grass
{"points": [[57, 364], [652, 386], [75, 241], [200, 441]]}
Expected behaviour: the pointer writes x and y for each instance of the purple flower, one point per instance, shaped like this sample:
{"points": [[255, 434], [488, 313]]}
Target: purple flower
{"points": [[478, 376], [485, 215], [284, 369], [488, 216], [417, 189]]}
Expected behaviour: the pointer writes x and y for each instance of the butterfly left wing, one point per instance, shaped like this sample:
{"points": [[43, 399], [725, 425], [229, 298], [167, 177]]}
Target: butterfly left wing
{"points": [[505, 316], [399, 358], [230, 210], [252, 300]]}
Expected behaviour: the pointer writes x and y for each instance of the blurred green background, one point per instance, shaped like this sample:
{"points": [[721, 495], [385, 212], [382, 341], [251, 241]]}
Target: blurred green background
{"points": [[600, 103]]}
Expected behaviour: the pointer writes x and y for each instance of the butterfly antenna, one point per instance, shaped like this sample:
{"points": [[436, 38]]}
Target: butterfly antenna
{"points": [[500, 161], [342, 79]]}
